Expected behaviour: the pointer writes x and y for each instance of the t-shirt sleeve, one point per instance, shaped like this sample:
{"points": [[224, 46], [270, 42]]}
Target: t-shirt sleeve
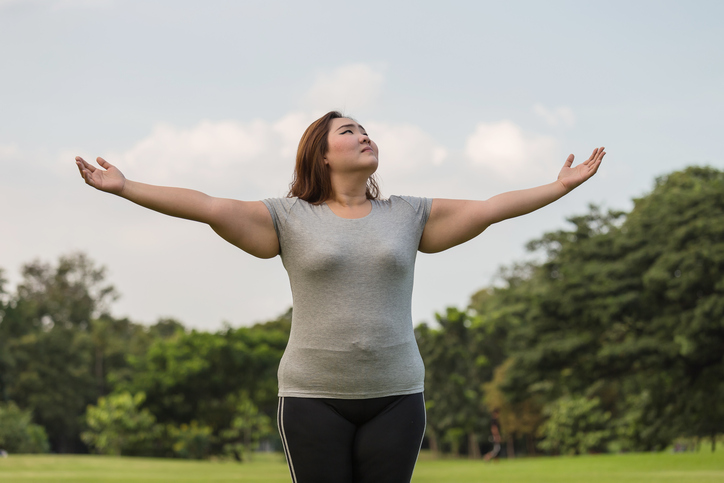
{"points": [[279, 208], [421, 206]]}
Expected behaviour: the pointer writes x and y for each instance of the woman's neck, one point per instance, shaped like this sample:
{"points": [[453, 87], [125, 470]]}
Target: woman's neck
{"points": [[350, 203], [348, 192]]}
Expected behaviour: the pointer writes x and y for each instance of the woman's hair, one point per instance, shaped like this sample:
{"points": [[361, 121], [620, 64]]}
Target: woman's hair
{"points": [[311, 181]]}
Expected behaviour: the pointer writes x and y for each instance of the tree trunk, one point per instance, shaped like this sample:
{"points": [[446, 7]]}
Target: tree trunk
{"points": [[529, 444], [713, 440], [434, 447], [511, 446], [455, 447], [473, 447], [100, 380]]}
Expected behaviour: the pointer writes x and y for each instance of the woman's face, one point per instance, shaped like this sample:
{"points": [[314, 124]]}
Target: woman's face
{"points": [[349, 149]]}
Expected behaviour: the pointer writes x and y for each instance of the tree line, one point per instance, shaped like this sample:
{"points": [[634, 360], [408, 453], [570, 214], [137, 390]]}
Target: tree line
{"points": [[89, 381], [611, 340]]}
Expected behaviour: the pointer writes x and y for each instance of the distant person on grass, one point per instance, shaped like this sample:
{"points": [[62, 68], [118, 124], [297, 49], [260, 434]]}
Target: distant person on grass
{"points": [[494, 436], [351, 405]]}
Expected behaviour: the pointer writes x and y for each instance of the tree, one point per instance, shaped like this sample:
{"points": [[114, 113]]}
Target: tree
{"points": [[18, 434], [575, 425], [51, 376], [629, 309], [191, 441], [194, 376], [47, 344], [455, 371], [67, 295], [118, 341], [520, 419], [248, 428], [118, 425], [5, 359]]}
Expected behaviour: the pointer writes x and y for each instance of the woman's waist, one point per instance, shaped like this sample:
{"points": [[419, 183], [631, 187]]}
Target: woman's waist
{"points": [[355, 371]]}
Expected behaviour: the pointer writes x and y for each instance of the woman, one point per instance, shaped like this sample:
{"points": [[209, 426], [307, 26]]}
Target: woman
{"points": [[351, 407]]}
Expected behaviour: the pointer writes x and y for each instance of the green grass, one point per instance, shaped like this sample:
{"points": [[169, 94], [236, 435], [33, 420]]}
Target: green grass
{"points": [[702, 467]]}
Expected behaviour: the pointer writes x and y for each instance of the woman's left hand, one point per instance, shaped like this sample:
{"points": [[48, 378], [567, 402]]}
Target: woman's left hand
{"points": [[571, 177]]}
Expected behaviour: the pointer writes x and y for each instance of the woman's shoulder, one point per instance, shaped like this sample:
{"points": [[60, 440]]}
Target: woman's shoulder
{"points": [[280, 207], [414, 201], [284, 203], [419, 205]]}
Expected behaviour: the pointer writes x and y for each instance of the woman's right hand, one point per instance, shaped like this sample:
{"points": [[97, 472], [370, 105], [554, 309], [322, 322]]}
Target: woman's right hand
{"points": [[109, 179]]}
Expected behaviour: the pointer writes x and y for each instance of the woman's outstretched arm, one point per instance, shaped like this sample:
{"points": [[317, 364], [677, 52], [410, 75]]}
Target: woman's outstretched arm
{"points": [[247, 225], [453, 222]]}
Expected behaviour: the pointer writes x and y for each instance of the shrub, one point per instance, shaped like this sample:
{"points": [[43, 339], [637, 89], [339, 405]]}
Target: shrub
{"points": [[575, 425], [118, 426], [18, 434]]}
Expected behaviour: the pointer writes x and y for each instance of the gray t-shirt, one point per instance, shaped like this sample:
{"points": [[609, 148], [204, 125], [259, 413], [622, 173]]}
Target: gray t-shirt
{"points": [[351, 280]]}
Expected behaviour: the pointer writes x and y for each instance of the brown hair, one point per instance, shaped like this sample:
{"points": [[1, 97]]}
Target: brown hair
{"points": [[311, 181]]}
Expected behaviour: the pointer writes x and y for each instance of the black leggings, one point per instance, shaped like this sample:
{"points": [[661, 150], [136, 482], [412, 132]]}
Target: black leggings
{"points": [[352, 440]]}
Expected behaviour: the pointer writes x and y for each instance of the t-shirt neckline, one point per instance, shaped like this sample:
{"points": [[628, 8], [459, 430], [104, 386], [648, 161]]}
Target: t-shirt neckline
{"points": [[372, 209]]}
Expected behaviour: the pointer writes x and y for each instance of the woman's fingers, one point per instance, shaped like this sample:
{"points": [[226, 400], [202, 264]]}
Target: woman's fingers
{"points": [[84, 173], [597, 162], [105, 164], [85, 164], [600, 155], [591, 157], [86, 170], [596, 157]]}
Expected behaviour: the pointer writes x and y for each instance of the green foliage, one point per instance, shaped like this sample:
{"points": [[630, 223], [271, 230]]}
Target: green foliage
{"points": [[190, 441], [248, 428], [453, 437], [452, 378], [575, 425], [193, 376], [47, 351], [627, 310], [67, 295], [518, 419], [631, 310], [635, 425], [18, 434], [51, 376], [59, 348], [460, 356], [117, 425], [60, 351]]}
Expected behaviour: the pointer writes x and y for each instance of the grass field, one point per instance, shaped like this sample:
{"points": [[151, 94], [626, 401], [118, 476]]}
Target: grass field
{"points": [[702, 467]]}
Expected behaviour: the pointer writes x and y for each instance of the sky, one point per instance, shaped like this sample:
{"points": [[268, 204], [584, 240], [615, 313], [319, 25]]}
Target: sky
{"points": [[465, 99]]}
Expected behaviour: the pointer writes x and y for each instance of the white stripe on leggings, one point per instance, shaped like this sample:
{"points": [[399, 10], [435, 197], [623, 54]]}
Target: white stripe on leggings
{"points": [[423, 431], [280, 426]]}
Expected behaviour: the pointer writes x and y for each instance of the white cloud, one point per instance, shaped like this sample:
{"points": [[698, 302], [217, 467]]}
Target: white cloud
{"points": [[405, 147], [290, 129], [347, 88], [509, 152], [256, 157], [408, 157], [8, 150], [557, 116]]}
